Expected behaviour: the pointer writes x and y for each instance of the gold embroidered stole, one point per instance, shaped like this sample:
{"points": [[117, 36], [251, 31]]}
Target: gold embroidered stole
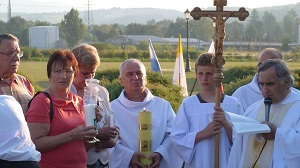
{"points": [[259, 151]]}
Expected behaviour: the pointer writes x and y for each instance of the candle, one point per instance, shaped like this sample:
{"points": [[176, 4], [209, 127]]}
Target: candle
{"points": [[145, 136], [90, 117]]}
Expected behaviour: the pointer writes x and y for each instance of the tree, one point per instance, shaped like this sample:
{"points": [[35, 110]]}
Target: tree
{"points": [[201, 29], [289, 25], [254, 26], [2, 27], [101, 32], [42, 23], [18, 27], [270, 27], [234, 30], [179, 26], [134, 29], [72, 28]]}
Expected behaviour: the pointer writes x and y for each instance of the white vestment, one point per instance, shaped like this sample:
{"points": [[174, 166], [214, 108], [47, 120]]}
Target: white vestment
{"points": [[193, 117], [126, 116], [287, 139], [251, 93]]}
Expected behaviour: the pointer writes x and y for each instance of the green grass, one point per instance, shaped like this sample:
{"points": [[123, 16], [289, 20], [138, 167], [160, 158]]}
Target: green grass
{"points": [[37, 71]]}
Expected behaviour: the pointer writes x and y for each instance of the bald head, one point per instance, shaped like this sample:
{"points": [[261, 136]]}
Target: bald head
{"points": [[268, 53]]}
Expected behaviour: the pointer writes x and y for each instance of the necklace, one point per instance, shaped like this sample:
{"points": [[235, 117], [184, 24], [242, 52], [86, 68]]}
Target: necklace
{"points": [[66, 98]]}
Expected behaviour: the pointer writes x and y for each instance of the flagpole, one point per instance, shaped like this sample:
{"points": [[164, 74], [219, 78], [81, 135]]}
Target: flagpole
{"points": [[179, 62], [193, 87]]}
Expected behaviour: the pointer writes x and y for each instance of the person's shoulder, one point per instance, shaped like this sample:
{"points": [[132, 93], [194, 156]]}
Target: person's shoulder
{"points": [[231, 98], [75, 97], [190, 99], [102, 89], [114, 102], [160, 99], [21, 77], [253, 107], [39, 97], [242, 88], [7, 97]]}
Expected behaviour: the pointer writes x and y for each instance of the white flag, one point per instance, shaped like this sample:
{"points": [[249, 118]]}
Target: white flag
{"points": [[155, 66], [179, 78], [211, 48]]}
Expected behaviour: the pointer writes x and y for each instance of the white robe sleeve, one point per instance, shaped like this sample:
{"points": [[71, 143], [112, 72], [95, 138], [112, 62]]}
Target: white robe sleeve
{"points": [[183, 140], [287, 140], [235, 157], [170, 157], [121, 156]]}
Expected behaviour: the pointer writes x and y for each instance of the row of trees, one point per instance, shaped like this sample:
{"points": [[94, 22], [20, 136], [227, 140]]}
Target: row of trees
{"points": [[73, 30]]}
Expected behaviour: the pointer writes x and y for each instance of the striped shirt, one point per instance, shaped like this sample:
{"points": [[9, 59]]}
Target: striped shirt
{"points": [[19, 87]]}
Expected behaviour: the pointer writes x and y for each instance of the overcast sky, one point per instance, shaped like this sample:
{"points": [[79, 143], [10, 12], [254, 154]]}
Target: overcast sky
{"points": [[30, 6]]}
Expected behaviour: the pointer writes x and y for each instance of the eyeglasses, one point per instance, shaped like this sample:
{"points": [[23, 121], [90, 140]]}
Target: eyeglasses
{"points": [[61, 71], [13, 53]]}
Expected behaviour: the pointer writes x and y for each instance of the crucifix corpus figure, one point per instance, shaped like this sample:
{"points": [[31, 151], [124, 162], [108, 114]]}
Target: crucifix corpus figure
{"points": [[219, 16]]}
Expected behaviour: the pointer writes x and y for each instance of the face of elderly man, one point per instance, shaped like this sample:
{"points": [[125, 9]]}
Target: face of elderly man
{"points": [[9, 58], [271, 86], [133, 77]]}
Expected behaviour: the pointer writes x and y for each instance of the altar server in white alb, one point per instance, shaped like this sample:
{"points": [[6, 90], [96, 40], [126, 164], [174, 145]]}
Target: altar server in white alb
{"points": [[198, 120], [280, 147], [133, 99]]}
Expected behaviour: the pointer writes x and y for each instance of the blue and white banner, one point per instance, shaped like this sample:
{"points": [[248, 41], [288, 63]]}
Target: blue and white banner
{"points": [[155, 66]]}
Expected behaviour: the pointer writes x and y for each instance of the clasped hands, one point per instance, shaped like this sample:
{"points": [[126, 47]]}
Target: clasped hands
{"points": [[107, 137], [155, 157]]}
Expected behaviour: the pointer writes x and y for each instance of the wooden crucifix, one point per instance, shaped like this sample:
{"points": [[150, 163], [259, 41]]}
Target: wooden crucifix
{"points": [[219, 17]]}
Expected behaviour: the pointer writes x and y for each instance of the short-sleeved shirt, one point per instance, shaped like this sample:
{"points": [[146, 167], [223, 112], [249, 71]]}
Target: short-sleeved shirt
{"points": [[20, 88], [68, 114], [15, 141]]}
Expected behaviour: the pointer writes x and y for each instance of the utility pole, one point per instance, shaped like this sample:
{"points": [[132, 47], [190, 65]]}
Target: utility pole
{"points": [[9, 11], [89, 16]]}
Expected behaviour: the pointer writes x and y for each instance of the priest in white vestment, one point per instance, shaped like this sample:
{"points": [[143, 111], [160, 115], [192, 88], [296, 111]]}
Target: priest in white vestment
{"points": [[251, 93], [194, 127], [280, 147], [134, 98]]}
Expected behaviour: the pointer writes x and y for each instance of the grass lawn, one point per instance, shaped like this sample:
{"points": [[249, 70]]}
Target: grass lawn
{"points": [[37, 71]]}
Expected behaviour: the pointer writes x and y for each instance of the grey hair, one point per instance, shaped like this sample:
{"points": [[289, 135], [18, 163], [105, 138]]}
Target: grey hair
{"points": [[281, 69], [132, 60], [8, 37]]}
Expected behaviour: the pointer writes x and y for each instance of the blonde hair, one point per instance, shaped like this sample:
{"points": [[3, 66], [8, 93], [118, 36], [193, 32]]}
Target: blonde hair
{"points": [[86, 55]]}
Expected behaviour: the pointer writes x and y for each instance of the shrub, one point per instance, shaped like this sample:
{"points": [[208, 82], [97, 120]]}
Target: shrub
{"points": [[35, 52], [47, 53], [232, 86], [296, 75], [109, 74], [27, 53], [238, 72]]}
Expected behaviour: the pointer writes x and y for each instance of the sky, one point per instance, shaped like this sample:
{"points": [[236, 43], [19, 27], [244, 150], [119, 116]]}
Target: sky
{"points": [[37, 6]]}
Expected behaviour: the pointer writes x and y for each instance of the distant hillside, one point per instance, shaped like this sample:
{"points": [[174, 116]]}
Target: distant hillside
{"points": [[140, 15]]}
